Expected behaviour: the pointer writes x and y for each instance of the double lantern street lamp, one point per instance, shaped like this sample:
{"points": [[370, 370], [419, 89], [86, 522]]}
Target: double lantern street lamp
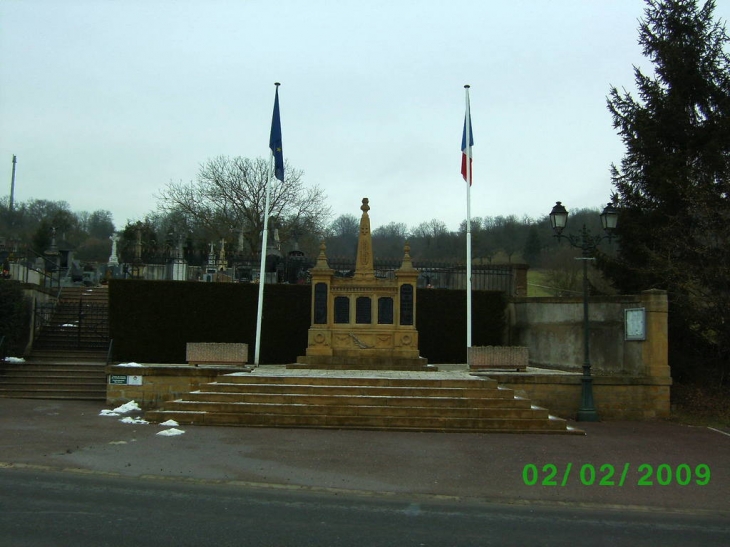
{"points": [[588, 244]]}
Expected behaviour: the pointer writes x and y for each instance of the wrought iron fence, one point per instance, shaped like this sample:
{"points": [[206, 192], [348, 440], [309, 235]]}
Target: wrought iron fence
{"points": [[71, 325], [439, 275]]}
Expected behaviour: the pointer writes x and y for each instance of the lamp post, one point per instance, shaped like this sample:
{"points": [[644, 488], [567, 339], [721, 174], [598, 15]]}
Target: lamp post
{"points": [[588, 244]]}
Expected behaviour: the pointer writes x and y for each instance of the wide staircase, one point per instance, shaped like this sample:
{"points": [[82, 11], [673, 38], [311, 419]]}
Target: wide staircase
{"points": [[69, 353], [79, 322], [417, 403]]}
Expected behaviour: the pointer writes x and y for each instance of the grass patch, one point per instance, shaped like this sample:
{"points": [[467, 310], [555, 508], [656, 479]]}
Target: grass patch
{"points": [[537, 284]]}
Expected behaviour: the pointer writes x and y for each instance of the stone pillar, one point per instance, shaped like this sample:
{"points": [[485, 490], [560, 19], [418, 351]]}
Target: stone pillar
{"points": [[320, 332], [364, 267], [519, 272], [655, 351]]}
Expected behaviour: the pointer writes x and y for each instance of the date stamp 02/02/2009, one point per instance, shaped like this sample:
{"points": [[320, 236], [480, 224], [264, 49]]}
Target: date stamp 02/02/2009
{"points": [[609, 475]]}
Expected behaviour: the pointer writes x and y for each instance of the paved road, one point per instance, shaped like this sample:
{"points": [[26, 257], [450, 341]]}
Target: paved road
{"points": [[40, 508], [488, 467]]}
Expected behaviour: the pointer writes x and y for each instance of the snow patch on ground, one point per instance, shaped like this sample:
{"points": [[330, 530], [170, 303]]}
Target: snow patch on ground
{"points": [[130, 420], [170, 423], [129, 365], [171, 432], [14, 360], [126, 408]]}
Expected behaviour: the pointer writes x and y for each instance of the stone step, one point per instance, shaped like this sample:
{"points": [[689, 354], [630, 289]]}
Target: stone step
{"points": [[40, 368], [401, 423], [335, 380], [70, 344], [360, 391], [405, 367], [57, 383], [74, 333], [69, 394], [354, 400], [60, 356], [84, 336], [61, 342], [403, 401], [71, 324], [73, 376], [39, 376], [61, 386], [364, 409], [88, 292]]}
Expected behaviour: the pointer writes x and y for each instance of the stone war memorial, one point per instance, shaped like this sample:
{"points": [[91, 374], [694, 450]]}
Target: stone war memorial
{"points": [[362, 367], [363, 322]]}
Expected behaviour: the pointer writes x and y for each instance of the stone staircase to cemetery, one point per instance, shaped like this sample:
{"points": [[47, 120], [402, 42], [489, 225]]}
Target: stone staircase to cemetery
{"points": [[79, 322], [69, 354], [354, 402], [44, 376]]}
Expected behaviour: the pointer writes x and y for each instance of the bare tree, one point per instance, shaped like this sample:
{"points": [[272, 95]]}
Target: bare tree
{"points": [[429, 240], [230, 193], [342, 236], [388, 240]]}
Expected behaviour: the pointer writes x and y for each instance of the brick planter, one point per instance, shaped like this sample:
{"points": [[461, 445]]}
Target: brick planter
{"points": [[204, 353], [497, 357]]}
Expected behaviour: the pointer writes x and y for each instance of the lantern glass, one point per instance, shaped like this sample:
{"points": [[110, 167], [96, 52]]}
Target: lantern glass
{"points": [[609, 218], [558, 217]]}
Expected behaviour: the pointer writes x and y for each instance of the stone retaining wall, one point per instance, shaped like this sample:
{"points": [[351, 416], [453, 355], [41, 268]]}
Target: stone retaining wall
{"points": [[616, 397], [160, 383]]}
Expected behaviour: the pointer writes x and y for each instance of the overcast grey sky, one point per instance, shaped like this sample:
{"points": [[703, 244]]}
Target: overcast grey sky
{"points": [[104, 102]]}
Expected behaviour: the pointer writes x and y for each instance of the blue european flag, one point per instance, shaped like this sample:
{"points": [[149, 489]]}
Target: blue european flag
{"points": [[275, 140]]}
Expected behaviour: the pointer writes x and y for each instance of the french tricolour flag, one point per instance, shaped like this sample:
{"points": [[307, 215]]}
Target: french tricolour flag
{"points": [[468, 136]]}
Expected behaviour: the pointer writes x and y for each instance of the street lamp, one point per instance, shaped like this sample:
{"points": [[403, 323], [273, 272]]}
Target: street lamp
{"points": [[588, 244]]}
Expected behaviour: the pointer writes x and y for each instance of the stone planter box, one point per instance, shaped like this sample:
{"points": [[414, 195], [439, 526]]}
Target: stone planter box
{"points": [[205, 353], [497, 357]]}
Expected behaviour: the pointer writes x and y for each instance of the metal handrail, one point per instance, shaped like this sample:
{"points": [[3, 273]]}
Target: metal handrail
{"points": [[109, 352]]}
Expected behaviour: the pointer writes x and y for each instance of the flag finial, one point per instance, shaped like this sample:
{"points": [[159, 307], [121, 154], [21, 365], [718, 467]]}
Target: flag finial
{"points": [[277, 84], [467, 86]]}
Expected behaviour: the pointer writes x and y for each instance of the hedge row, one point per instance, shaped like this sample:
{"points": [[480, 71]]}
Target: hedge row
{"points": [[15, 312], [151, 321]]}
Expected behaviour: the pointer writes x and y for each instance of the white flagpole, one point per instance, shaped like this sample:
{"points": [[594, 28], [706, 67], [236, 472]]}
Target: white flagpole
{"points": [[262, 270], [275, 136], [467, 123]]}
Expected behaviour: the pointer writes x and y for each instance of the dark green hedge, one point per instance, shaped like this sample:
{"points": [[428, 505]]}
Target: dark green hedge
{"points": [[441, 323], [151, 321], [15, 311]]}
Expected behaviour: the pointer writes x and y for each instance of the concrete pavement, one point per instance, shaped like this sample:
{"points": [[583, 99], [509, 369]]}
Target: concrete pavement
{"points": [[677, 460]]}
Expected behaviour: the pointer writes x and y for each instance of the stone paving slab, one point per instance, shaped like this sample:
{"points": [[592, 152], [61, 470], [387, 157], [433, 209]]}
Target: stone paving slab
{"points": [[449, 371]]}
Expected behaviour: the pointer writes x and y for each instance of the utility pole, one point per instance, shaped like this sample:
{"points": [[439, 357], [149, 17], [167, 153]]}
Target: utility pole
{"points": [[12, 184]]}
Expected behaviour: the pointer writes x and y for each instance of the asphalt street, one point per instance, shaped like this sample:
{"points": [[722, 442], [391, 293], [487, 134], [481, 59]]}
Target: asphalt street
{"points": [[646, 466], [41, 508]]}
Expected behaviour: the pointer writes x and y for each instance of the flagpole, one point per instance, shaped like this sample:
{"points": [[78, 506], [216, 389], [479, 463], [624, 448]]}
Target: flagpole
{"points": [[262, 269], [467, 125], [265, 238]]}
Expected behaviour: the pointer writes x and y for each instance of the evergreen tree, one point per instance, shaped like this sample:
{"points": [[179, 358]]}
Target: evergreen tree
{"points": [[673, 183]]}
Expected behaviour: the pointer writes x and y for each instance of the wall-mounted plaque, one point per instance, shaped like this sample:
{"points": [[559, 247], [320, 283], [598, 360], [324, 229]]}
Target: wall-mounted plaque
{"points": [[635, 323]]}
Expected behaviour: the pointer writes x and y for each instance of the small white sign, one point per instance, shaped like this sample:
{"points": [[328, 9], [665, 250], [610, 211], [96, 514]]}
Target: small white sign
{"points": [[635, 323], [134, 380]]}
